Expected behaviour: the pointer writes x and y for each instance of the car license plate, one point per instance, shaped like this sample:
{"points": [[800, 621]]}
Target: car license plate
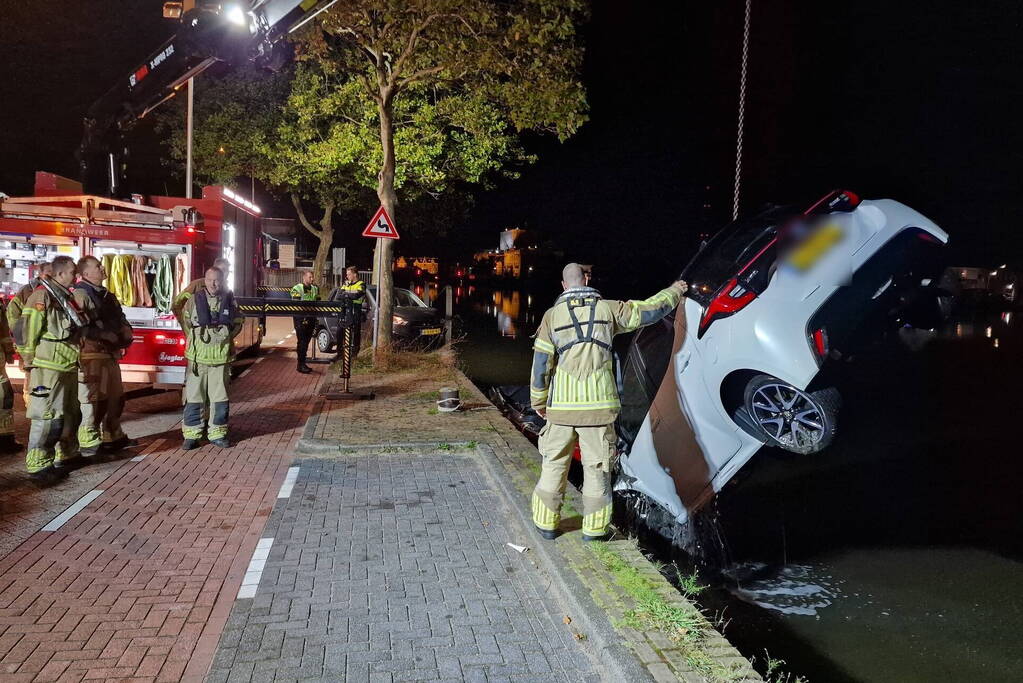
{"points": [[432, 330], [813, 248]]}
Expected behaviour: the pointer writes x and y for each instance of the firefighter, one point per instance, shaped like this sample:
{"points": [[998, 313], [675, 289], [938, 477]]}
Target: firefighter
{"points": [[211, 321], [305, 325], [354, 290], [573, 386], [7, 442], [14, 309], [104, 341], [221, 264], [48, 334]]}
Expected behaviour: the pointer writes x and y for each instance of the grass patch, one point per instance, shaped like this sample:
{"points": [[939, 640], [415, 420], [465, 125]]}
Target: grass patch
{"points": [[653, 612], [450, 447], [424, 396], [438, 364]]}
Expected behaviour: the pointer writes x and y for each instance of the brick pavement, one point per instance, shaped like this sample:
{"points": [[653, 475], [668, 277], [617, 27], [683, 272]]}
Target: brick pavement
{"points": [[391, 567], [138, 585]]}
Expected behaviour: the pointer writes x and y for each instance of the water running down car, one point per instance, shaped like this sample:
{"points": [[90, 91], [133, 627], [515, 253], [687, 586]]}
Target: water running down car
{"points": [[771, 300]]}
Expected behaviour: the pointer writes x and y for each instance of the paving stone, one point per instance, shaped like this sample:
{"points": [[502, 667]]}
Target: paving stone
{"points": [[402, 598]]}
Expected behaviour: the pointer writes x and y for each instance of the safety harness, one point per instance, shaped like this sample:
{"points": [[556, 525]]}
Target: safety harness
{"points": [[208, 318], [586, 299]]}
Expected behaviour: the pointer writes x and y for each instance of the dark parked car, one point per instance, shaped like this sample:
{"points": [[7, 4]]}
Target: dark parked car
{"points": [[415, 323]]}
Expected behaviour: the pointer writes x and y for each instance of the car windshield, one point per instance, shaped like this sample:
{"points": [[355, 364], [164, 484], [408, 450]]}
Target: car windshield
{"points": [[402, 298], [730, 250]]}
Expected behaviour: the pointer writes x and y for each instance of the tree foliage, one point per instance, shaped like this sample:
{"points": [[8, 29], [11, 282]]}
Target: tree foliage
{"points": [[432, 93]]}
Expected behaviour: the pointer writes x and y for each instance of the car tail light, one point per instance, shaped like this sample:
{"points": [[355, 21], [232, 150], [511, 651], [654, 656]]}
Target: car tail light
{"points": [[820, 343], [730, 299]]}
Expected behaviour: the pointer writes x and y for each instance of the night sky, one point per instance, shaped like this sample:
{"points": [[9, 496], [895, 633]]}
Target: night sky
{"points": [[918, 105]]}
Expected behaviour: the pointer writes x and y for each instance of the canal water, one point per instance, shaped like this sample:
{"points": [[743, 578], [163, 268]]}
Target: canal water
{"points": [[897, 553]]}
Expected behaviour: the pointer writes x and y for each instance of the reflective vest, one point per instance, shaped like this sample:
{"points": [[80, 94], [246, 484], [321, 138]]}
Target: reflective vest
{"points": [[304, 293], [573, 367], [357, 287]]}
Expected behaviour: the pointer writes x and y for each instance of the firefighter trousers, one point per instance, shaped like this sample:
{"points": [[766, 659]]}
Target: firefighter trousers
{"points": [[53, 411], [597, 445], [101, 396], [207, 407]]}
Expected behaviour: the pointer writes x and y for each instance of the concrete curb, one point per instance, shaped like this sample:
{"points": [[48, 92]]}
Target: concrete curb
{"points": [[594, 622]]}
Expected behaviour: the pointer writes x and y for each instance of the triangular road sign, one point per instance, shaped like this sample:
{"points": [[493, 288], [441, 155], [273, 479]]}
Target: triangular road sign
{"points": [[381, 226]]}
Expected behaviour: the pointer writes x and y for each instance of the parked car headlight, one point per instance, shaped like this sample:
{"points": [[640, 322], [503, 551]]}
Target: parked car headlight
{"points": [[398, 320]]}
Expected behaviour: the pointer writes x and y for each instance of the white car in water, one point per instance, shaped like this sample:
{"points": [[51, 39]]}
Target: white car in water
{"points": [[770, 300]]}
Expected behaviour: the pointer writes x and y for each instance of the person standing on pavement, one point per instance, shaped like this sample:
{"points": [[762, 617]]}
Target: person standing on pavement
{"points": [[7, 441], [48, 333], [104, 341], [14, 308], [304, 325], [211, 321], [354, 289], [573, 386]]}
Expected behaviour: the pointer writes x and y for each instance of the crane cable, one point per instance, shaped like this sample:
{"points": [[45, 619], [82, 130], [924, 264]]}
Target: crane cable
{"points": [[742, 111]]}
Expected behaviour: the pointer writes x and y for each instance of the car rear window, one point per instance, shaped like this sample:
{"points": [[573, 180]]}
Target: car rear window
{"points": [[729, 250]]}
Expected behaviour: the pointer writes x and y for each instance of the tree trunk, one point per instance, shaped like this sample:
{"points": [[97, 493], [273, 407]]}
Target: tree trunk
{"points": [[322, 254], [388, 199]]}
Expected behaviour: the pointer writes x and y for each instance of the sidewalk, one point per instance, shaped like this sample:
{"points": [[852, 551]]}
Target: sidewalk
{"points": [[138, 584]]}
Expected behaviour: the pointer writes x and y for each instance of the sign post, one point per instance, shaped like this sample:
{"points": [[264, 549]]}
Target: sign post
{"points": [[382, 228]]}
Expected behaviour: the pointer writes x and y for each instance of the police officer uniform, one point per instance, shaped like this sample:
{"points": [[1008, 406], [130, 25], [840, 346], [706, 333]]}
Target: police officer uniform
{"points": [[304, 325], [573, 380], [356, 293], [211, 322], [100, 390]]}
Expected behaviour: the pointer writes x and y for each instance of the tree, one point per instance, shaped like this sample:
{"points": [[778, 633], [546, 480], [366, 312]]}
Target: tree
{"points": [[251, 122], [429, 93]]}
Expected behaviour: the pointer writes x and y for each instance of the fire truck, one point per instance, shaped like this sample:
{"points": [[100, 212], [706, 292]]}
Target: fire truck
{"points": [[183, 234]]}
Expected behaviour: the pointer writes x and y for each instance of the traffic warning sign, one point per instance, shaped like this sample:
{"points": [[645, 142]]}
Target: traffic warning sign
{"points": [[381, 226]]}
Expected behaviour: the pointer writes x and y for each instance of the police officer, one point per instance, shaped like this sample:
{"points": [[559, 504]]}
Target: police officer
{"points": [[104, 340], [7, 442], [573, 386], [14, 309], [354, 289], [48, 333], [304, 325], [211, 321]]}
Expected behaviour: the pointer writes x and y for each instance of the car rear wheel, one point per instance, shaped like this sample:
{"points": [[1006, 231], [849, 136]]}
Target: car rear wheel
{"points": [[324, 342], [790, 418]]}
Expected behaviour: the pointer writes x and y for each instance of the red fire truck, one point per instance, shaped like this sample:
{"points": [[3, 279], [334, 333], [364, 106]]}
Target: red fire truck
{"points": [[186, 234]]}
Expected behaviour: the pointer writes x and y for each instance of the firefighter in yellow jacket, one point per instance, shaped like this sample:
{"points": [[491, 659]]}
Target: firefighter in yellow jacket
{"points": [[48, 334], [100, 391], [573, 386], [211, 321], [14, 308], [7, 442]]}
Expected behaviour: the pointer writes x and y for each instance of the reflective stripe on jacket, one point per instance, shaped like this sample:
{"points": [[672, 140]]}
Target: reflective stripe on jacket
{"points": [[573, 367], [358, 287]]}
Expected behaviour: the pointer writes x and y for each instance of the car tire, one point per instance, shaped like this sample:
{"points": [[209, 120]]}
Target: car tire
{"points": [[797, 421], [323, 341]]}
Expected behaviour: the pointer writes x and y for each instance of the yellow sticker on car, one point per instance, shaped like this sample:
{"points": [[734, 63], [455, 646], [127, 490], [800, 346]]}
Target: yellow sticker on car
{"points": [[432, 330]]}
